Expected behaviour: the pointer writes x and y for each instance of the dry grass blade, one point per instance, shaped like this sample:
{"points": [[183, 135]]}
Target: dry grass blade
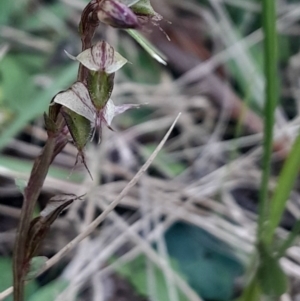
{"points": [[6, 293], [92, 226], [104, 214], [3, 50]]}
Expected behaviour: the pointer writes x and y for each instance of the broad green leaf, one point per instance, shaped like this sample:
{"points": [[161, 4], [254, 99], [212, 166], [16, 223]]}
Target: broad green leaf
{"points": [[18, 90], [206, 262]]}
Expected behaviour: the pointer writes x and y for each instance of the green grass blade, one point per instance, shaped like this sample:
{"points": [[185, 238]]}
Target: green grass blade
{"points": [[282, 191], [151, 49], [271, 93], [289, 240]]}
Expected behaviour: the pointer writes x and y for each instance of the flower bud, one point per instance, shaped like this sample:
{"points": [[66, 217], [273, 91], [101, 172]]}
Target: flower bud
{"points": [[145, 13], [117, 14], [144, 8]]}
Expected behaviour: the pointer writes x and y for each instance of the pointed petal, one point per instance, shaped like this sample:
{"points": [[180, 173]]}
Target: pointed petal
{"points": [[70, 56], [58, 202], [78, 100], [118, 62], [101, 57], [110, 110]]}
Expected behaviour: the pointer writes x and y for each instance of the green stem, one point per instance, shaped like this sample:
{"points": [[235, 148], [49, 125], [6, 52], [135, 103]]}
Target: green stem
{"points": [[283, 189], [289, 240], [271, 96]]}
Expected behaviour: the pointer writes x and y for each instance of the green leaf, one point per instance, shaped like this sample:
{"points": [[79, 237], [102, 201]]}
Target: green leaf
{"points": [[289, 240], [9, 8], [283, 189], [206, 262], [270, 275], [135, 273], [50, 291], [21, 184], [38, 104], [6, 279], [36, 264], [252, 292]]}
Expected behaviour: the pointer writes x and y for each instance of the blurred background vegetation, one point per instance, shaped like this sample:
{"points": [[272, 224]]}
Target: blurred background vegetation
{"points": [[186, 232]]}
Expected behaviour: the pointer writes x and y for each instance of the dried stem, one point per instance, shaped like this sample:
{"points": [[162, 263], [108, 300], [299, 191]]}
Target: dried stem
{"points": [[31, 194], [54, 145]]}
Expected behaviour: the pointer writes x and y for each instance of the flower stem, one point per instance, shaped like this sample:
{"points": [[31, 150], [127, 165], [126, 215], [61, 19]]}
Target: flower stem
{"points": [[31, 194]]}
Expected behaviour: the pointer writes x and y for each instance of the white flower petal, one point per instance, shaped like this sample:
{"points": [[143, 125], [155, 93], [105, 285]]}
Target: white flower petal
{"points": [[101, 57], [110, 110], [118, 62], [86, 59], [78, 100]]}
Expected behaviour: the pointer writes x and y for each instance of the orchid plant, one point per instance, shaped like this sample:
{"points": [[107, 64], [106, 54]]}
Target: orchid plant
{"points": [[78, 113]]}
